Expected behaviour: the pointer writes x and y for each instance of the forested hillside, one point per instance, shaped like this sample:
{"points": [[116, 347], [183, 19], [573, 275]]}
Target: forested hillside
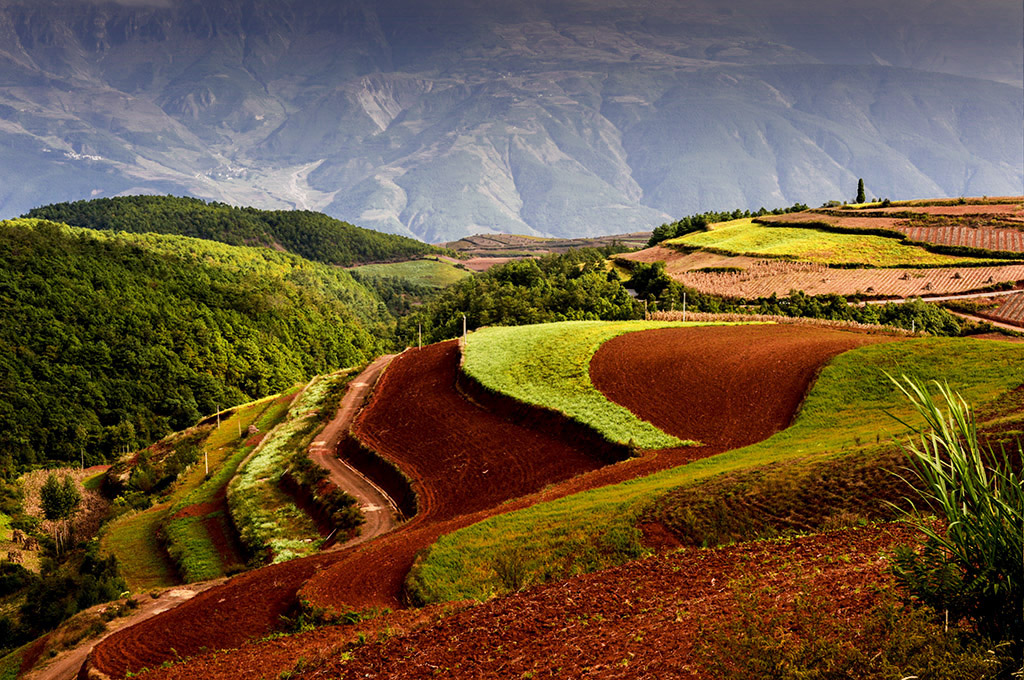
{"points": [[111, 341], [312, 235]]}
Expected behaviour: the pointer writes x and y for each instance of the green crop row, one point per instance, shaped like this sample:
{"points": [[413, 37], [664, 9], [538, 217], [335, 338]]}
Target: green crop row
{"points": [[847, 409], [548, 365], [269, 523], [745, 237]]}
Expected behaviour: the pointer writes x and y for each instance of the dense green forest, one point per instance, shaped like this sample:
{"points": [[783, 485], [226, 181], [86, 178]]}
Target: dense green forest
{"points": [[312, 235], [113, 340], [576, 285]]}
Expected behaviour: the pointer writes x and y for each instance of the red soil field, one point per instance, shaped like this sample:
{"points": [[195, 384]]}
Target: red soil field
{"points": [[1001, 209], [464, 462], [987, 238], [781, 278], [640, 620], [707, 383]]}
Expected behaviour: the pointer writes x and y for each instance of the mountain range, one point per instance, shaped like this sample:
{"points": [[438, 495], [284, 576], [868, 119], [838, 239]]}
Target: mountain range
{"points": [[563, 118]]}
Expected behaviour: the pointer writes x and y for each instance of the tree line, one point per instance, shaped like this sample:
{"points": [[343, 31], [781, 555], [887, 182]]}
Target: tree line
{"points": [[312, 235]]}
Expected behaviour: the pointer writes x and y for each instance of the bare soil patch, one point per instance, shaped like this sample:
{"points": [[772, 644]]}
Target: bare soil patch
{"points": [[639, 620], [724, 386]]}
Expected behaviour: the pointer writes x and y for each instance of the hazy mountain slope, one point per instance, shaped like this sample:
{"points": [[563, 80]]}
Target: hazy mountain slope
{"points": [[113, 340], [564, 118]]}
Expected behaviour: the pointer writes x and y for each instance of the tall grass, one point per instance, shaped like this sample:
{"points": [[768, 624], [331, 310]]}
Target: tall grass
{"points": [[975, 566]]}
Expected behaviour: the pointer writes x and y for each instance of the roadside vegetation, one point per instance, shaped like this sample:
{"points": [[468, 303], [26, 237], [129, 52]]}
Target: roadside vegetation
{"points": [[845, 412], [270, 524], [746, 237], [549, 366]]}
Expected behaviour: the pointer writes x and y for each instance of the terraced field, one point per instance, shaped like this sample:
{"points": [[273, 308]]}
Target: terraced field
{"points": [[547, 366], [745, 237], [833, 251], [497, 499]]}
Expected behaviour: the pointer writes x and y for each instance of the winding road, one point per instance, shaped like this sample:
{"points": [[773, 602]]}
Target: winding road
{"points": [[379, 511]]}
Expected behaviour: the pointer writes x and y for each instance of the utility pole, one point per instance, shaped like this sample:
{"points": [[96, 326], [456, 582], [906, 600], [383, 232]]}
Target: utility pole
{"points": [[463, 330], [645, 310], [420, 327], [684, 306]]}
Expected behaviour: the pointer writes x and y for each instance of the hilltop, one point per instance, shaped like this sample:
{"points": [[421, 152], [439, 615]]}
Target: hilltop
{"points": [[311, 235]]}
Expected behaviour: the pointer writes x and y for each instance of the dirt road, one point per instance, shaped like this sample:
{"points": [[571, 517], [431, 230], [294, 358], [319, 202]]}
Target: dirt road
{"points": [[66, 665], [378, 509]]}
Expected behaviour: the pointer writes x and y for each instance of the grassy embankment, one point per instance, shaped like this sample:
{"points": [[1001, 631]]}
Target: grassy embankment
{"points": [[427, 272], [270, 525], [135, 539], [198, 555], [845, 412], [744, 237], [548, 365]]}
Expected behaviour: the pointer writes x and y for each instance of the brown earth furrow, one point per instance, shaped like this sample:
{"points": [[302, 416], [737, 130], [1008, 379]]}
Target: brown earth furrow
{"points": [[724, 386]]}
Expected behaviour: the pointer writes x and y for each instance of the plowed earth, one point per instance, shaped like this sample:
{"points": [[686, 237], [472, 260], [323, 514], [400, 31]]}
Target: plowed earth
{"points": [[724, 386], [641, 620], [464, 463]]}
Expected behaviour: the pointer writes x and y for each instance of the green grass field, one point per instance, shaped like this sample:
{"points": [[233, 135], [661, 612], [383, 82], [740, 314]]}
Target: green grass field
{"points": [[428, 272], [844, 411], [142, 559], [744, 237], [548, 365], [188, 542]]}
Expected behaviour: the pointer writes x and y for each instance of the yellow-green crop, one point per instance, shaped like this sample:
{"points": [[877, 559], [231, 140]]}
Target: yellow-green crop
{"points": [[548, 365], [745, 237]]}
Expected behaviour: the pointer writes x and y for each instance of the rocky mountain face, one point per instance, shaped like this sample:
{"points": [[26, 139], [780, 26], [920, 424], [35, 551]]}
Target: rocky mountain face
{"points": [[441, 118]]}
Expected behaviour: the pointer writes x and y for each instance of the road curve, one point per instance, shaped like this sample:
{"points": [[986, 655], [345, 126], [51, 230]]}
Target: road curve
{"points": [[379, 511]]}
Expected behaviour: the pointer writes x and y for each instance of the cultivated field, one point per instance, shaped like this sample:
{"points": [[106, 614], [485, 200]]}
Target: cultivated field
{"points": [[547, 365], [745, 237], [946, 249], [501, 505], [847, 409]]}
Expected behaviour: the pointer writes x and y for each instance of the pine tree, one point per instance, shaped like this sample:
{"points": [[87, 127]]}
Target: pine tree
{"points": [[861, 196]]}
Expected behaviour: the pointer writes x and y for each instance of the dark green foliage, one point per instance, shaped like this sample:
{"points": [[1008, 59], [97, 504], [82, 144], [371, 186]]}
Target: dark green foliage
{"points": [[861, 196], [700, 221], [59, 499], [400, 296], [312, 235], [110, 342], [553, 288], [13, 577], [85, 579]]}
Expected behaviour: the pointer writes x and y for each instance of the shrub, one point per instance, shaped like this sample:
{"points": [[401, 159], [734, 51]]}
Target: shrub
{"points": [[974, 567]]}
